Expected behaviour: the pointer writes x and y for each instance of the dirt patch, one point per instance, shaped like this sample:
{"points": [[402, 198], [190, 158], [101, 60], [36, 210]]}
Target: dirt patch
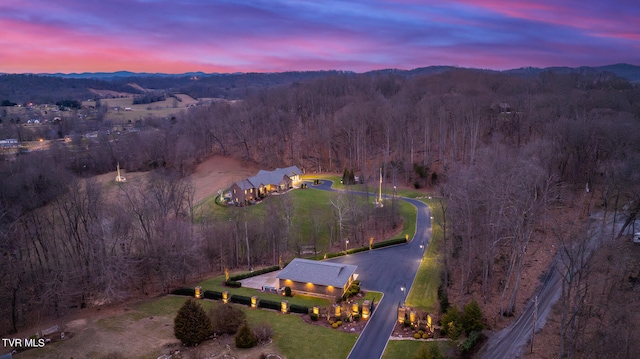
{"points": [[214, 174], [219, 173]]}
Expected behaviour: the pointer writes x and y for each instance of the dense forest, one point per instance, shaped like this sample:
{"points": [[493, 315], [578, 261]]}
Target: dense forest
{"points": [[502, 151]]}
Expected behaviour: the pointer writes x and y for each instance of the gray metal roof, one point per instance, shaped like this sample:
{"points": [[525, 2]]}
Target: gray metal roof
{"points": [[245, 184], [266, 178], [317, 272], [289, 171]]}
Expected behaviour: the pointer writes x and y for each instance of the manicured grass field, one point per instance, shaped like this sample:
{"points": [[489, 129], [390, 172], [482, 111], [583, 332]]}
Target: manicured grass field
{"points": [[314, 214], [296, 339], [424, 290], [397, 349], [293, 337]]}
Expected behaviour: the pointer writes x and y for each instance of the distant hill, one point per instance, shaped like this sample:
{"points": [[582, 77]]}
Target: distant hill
{"points": [[50, 88], [627, 71], [121, 74]]}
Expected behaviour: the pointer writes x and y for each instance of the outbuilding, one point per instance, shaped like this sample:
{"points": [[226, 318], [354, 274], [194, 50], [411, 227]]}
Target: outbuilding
{"points": [[320, 278]]}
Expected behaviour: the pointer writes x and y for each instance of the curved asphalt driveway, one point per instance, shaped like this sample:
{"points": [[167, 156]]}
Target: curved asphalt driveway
{"points": [[386, 270]]}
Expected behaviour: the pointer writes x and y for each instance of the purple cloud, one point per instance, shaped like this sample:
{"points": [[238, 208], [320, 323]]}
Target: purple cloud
{"points": [[178, 36]]}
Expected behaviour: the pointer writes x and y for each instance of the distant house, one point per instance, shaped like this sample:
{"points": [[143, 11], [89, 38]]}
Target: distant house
{"points": [[264, 183], [243, 192], [317, 277]]}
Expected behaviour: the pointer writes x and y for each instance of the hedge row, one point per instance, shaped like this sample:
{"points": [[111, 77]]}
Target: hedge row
{"points": [[238, 277], [241, 299], [189, 292], [390, 242], [233, 284], [269, 304], [382, 244], [210, 294], [300, 309]]}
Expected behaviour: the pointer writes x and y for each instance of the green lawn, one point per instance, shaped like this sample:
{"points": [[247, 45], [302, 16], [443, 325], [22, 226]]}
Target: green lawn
{"points": [[401, 349], [314, 213], [293, 337], [424, 290], [296, 339]]}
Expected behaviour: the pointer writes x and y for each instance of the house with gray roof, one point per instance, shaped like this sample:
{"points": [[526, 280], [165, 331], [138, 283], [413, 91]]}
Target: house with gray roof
{"points": [[319, 278], [263, 183]]}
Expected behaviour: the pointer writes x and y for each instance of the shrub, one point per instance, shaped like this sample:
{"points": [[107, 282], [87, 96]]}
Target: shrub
{"points": [[300, 309], [314, 317], [287, 291], [353, 289], [425, 336], [443, 298], [189, 292], [262, 332], [417, 336], [390, 242], [245, 337], [339, 322], [191, 325], [211, 294], [240, 299], [226, 318], [356, 316], [269, 304], [335, 325], [233, 284], [470, 342], [472, 318], [451, 323], [254, 273]]}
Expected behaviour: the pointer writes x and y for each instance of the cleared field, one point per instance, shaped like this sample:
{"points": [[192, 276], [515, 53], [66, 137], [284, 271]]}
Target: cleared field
{"points": [[168, 107]]}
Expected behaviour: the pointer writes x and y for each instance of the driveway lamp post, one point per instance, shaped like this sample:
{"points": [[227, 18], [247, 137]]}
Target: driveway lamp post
{"points": [[346, 245], [403, 289]]}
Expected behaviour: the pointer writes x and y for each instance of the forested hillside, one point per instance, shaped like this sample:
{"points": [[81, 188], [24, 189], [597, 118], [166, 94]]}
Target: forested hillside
{"points": [[503, 151]]}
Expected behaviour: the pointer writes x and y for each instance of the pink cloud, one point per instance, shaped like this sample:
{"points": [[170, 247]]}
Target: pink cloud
{"points": [[604, 19]]}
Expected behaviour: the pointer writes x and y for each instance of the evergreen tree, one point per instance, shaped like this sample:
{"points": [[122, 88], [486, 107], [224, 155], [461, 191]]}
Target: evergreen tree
{"points": [[191, 325], [452, 323], [245, 337], [472, 318]]}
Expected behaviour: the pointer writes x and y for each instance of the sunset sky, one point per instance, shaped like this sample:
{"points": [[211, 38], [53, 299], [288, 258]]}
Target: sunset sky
{"points": [[44, 36]]}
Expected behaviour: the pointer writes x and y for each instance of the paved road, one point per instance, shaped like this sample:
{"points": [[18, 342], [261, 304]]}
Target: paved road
{"points": [[510, 342], [386, 270]]}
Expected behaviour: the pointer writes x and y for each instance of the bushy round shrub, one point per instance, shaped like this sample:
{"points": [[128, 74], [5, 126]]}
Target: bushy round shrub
{"points": [[226, 318], [335, 325], [263, 332], [417, 336]]}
